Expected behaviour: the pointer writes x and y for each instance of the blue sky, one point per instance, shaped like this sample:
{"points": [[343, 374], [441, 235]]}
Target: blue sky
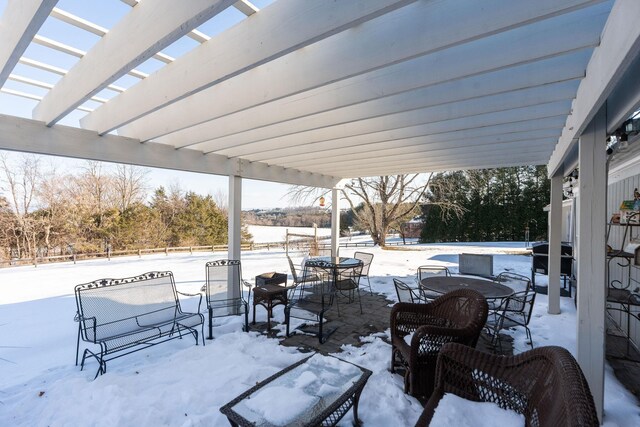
{"points": [[256, 194]]}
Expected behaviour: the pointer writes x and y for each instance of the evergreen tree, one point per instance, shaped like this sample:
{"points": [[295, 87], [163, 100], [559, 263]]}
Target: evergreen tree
{"points": [[497, 204]]}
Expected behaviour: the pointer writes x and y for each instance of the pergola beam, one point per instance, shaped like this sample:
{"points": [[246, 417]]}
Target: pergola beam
{"points": [[144, 31], [59, 71], [285, 26], [547, 138], [19, 23], [352, 98], [406, 137], [375, 45], [620, 44], [531, 97], [96, 29], [442, 156], [424, 167], [17, 134], [246, 7], [414, 119]]}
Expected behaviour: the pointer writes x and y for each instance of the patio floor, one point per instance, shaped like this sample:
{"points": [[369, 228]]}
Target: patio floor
{"points": [[351, 325]]}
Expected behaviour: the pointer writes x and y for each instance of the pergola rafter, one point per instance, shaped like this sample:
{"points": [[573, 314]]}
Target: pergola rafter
{"points": [[236, 51], [147, 29], [375, 45]]}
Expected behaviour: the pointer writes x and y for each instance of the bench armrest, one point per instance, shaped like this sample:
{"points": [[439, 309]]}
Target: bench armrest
{"points": [[86, 323], [192, 295]]}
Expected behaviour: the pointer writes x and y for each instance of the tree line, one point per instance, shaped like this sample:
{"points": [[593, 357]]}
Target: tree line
{"points": [[289, 217], [487, 205], [45, 212]]}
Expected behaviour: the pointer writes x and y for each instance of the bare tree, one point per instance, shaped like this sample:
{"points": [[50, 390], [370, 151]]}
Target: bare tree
{"points": [[20, 181], [385, 199], [378, 202], [94, 190], [221, 199], [54, 198], [130, 185]]}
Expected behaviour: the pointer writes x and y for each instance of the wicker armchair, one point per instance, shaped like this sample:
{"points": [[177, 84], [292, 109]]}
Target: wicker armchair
{"points": [[546, 384], [456, 316]]}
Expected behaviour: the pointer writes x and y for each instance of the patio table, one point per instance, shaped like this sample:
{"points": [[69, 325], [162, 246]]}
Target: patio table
{"points": [[489, 289], [336, 264], [318, 390]]}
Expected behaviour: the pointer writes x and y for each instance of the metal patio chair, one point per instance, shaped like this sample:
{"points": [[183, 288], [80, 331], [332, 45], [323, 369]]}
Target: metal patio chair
{"points": [[425, 271], [366, 259], [406, 293], [513, 311], [313, 302], [224, 286]]}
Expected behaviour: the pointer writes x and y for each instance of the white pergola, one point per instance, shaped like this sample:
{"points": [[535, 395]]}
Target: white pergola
{"points": [[315, 92]]}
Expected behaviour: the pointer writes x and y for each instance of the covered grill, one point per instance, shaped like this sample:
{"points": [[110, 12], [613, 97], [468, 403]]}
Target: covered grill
{"points": [[540, 260]]}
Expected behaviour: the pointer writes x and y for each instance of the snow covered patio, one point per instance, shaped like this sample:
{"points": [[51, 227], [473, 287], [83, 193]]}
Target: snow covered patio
{"points": [[178, 383]]}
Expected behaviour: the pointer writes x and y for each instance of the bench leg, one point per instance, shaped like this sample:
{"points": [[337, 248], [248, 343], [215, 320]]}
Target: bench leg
{"points": [[246, 317], [202, 329], [210, 324], [78, 343]]}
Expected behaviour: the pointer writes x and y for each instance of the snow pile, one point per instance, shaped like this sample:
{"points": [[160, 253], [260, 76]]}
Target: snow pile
{"points": [[456, 411]]}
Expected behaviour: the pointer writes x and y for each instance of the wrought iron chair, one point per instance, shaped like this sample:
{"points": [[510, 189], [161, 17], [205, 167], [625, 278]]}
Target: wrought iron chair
{"points": [[546, 385], [313, 302], [425, 271], [223, 288], [347, 281], [302, 276], [406, 293], [366, 259], [513, 311], [456, 316]]}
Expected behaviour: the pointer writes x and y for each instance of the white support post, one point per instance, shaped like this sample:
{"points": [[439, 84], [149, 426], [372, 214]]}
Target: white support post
{"points": [[591, 251], [555, 231], [235, 227], [335, 221]]}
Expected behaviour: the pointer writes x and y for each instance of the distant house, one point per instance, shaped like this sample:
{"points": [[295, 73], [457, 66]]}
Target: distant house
{"points": [[412, 228]]}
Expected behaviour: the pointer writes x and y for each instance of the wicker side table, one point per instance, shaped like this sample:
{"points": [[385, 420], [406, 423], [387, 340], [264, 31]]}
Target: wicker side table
{"points": [[270, 291]]}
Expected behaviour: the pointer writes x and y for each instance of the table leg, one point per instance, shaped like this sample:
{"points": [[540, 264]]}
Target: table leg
{"points": [[356, 399]]}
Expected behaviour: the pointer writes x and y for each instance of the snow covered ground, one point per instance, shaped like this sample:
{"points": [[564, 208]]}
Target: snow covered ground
{"points": [[180, 384]]}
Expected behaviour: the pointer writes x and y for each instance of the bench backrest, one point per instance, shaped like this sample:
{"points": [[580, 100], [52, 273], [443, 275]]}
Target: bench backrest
{"points": [[110, 307]]}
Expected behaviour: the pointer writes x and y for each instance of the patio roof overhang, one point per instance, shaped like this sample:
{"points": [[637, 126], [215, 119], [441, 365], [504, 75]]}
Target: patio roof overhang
{"points": [[312, 92]]}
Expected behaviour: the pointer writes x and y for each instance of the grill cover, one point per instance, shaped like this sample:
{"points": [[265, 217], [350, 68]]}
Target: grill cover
{"points": [[541, 254]]}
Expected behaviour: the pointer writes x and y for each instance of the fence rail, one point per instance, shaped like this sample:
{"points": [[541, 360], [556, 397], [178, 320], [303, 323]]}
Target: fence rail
{"points": [[180, 249]]}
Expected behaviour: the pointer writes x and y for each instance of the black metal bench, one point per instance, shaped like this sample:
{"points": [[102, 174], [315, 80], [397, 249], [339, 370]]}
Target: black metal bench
{"points": [[130, 314]]}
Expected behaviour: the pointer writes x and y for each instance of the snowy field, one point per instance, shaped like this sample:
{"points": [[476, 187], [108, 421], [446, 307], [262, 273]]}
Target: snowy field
{"points": [[180, 384]]}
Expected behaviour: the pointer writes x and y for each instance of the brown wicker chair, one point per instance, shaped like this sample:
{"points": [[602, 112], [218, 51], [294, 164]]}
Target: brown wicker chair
{"points": [[546, 384], [456, 316]]}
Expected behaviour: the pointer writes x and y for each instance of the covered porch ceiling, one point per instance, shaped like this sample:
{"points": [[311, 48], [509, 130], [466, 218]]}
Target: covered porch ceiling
{"points": [[307, 92]]}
